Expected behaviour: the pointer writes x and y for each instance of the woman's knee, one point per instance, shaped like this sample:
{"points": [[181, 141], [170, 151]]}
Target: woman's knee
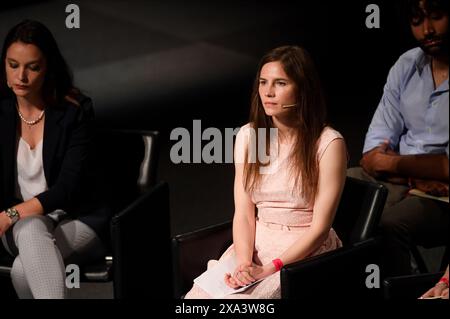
{"points": [[17, 272], [77, 242]]}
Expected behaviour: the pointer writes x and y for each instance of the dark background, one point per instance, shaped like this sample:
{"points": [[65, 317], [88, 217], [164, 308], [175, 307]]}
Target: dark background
{"points": [[160, 64]]}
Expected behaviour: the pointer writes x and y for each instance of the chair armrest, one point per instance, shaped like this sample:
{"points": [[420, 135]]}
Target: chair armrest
{"points": [[340, 273], [409, 287], [191, 252]]}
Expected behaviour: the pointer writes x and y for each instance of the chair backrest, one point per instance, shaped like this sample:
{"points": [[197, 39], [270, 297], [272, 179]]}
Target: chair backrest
{"points": [[192, 251], [343, 271], [149, 165], [139, 230], [124, 166], [359, 210], [126, 163]]}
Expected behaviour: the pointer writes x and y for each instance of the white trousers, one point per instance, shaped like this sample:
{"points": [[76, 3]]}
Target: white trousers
{"points": [[42, 248]]}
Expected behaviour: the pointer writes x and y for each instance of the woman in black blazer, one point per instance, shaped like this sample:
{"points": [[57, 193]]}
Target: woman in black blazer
{"points": [[48, 214]]}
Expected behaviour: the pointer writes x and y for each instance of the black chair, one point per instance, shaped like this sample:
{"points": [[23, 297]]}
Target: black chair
{"points": [[343, 270], [143, 228], [191, 252], [356, 222], [409, 287], [125, 165]]}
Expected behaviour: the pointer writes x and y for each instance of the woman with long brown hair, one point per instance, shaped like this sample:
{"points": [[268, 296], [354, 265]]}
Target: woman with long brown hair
{"points": [[284, 208]]}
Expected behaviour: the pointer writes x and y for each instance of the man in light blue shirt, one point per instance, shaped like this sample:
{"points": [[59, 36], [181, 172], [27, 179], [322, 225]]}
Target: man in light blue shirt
{"points": [[413, 114], [406, 145]]}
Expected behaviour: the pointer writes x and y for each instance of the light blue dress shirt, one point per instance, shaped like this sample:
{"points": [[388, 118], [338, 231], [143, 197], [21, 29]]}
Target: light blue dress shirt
{"points": [[412, 114]]}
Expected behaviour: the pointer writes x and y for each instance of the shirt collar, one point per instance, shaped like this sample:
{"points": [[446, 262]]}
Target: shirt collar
{"points": [[422, 61]]}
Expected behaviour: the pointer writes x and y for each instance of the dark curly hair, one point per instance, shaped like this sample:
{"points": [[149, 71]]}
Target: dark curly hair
{"points": [[415, 13]]}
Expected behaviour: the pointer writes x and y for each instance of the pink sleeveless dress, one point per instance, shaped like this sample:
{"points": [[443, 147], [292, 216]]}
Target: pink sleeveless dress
{"points": [[283, 216]]}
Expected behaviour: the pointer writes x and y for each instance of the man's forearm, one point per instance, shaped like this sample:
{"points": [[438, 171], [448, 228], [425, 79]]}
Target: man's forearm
{"points": [[424, 166]]}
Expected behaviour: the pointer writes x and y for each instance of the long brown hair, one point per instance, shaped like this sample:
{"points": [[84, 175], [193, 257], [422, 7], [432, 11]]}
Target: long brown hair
{"points": [[310, 119]]}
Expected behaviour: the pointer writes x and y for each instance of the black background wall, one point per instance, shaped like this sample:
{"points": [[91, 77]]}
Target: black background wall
{"points": [[161, 64]]}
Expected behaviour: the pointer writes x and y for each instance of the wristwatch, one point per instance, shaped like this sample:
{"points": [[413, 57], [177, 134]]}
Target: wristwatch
{"points": [[13, 214]]}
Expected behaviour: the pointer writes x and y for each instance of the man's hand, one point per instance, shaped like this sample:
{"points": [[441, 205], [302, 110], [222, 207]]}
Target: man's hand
{"points": [[434, 188], [377, 161]]}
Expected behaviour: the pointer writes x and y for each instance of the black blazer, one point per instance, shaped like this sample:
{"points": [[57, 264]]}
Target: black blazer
{"points": [[66, 149]]}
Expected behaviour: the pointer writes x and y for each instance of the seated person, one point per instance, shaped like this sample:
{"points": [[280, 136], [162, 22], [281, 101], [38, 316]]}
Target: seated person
{"points": [[284, 209], [406, 145], [48, 217]]}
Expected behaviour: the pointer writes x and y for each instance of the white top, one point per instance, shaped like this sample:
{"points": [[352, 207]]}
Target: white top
{"points": [[30, 171]]}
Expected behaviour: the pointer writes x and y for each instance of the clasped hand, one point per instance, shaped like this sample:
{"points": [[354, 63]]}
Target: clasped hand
{"points": [[440, 290], [246, 274]]}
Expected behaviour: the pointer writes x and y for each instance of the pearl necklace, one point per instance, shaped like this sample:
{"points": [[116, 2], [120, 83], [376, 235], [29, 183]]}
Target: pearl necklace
{"points": [[30, 122]]}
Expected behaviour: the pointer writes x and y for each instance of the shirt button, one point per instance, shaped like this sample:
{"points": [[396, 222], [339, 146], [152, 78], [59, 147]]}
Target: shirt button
{"points": [[429, 129]]}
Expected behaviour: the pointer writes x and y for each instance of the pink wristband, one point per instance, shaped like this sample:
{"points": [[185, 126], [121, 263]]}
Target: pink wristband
{"points": [[278, 264], [444, 281]]}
